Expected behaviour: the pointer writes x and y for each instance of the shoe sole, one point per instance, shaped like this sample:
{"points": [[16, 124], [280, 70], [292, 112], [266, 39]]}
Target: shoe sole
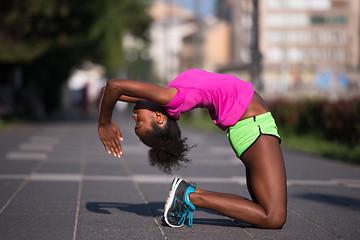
{"points": [[170, 200]]}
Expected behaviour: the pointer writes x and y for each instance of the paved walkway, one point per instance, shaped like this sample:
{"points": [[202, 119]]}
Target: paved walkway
{"points": [[57, 182]]}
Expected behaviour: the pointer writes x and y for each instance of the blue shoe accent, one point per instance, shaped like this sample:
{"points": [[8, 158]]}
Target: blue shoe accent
{"points": [[188, 191]]}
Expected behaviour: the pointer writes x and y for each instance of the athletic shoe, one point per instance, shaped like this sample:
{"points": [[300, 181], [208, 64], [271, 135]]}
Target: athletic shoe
{"points": [[178, 206]]}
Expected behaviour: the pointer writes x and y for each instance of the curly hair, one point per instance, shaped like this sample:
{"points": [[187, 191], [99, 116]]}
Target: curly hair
{"points": [[168, 148]]}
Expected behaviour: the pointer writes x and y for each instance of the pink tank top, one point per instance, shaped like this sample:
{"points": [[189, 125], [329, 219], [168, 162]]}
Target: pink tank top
{"points": [[225, 96]]}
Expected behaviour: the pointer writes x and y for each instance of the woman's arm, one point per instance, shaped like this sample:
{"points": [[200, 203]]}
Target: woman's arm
{"points": [[122, 98], [129, 91]]}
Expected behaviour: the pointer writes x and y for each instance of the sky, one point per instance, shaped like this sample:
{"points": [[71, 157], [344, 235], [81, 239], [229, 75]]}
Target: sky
{"points": [[206, 7]]}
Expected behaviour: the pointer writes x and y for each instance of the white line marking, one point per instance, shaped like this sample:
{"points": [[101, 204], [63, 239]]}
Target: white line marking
{"points": [[26, 156], [13, 176], [351, 183], [45, 139], [312, 182], [84, 149], [53, 177], [36, 147], [153, 179], [107, 178]]}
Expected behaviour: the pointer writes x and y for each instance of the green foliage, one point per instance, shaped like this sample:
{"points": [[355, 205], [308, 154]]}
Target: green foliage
{"points": [[119, 17], [47, 38], [32, 28], [335, 126], [202, 120], [316, 144], [302, 126]]}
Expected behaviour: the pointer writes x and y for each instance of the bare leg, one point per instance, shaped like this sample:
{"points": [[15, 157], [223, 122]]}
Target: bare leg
{"points": [[266, 181]]}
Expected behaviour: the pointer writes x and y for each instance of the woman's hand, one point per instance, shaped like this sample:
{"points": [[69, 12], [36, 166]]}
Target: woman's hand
{"points": [[110, 136], [129, 91]]}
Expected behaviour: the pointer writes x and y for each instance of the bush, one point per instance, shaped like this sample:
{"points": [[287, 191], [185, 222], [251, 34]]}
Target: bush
{"points": [[338, 121]]}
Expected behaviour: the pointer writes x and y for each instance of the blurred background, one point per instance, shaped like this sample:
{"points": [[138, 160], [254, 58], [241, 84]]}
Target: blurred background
{"points": [[303, 56]]}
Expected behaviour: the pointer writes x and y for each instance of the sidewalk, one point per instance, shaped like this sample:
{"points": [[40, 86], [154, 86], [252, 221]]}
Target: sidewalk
{"points": [[57, 182]]}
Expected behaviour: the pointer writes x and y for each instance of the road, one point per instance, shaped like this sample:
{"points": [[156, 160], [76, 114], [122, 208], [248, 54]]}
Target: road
{"points": [[57, 182]]}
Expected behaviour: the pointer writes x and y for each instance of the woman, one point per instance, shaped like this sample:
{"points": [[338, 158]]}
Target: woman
{"points": [[233, 106]]}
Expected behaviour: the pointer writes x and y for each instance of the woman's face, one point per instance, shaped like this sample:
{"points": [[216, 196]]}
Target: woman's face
{"points": [[144, 114]]}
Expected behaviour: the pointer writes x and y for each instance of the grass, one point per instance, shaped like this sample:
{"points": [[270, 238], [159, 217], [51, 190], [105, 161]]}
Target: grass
{"points": [[3, 124], [306, 143], [320, 146], [7, 123], [200, 121]]}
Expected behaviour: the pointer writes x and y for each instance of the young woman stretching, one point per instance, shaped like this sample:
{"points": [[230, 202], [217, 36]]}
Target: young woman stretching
{"points": [[235, 108]]}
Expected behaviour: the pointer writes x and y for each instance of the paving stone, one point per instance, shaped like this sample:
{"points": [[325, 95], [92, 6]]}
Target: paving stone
{"points": [[78, 191]]}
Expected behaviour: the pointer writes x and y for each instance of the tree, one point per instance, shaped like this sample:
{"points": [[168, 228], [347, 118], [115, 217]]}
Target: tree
{"points": [[47, 38]]}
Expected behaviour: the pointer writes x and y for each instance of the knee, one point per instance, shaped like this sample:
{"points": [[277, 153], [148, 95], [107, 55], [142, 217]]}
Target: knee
{"points": [[274, 221], [277, 223]]}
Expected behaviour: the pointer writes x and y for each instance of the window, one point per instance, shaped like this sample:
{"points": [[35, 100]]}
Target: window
{"points": [[297, 37], [287, 20], [339, 37], [338, 20], [320, 4], [317, 5], [297, 20], [294, 55], [297, 4], [274, 4], [318, 19], [274, 54], [275, 36]]}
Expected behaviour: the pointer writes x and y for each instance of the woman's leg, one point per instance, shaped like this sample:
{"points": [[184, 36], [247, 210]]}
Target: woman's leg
{"points": [[266, 180]]}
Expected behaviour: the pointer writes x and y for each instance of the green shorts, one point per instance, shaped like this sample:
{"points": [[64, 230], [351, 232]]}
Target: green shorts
{"points": [[245, 132]]}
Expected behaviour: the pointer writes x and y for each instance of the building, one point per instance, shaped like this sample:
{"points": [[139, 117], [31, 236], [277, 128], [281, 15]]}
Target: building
{"points": [[171, 24], [311, 33], [216, 44], [239, 15], [304, 43], [311, 43], [180, 40]]}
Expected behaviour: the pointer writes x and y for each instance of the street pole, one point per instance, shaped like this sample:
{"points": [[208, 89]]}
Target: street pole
{"points": [[255, 68]]}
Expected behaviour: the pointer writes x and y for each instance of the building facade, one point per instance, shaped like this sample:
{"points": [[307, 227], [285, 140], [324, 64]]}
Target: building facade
{"points": [[310, 33], [171, 24], [304, 43], [311, 44]]}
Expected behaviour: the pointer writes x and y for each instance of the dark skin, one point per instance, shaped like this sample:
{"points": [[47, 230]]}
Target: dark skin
{"points": [[265, 169]]}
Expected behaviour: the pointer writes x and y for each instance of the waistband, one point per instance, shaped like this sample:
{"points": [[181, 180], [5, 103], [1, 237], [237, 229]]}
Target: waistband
{"points": [[260, 117]]}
